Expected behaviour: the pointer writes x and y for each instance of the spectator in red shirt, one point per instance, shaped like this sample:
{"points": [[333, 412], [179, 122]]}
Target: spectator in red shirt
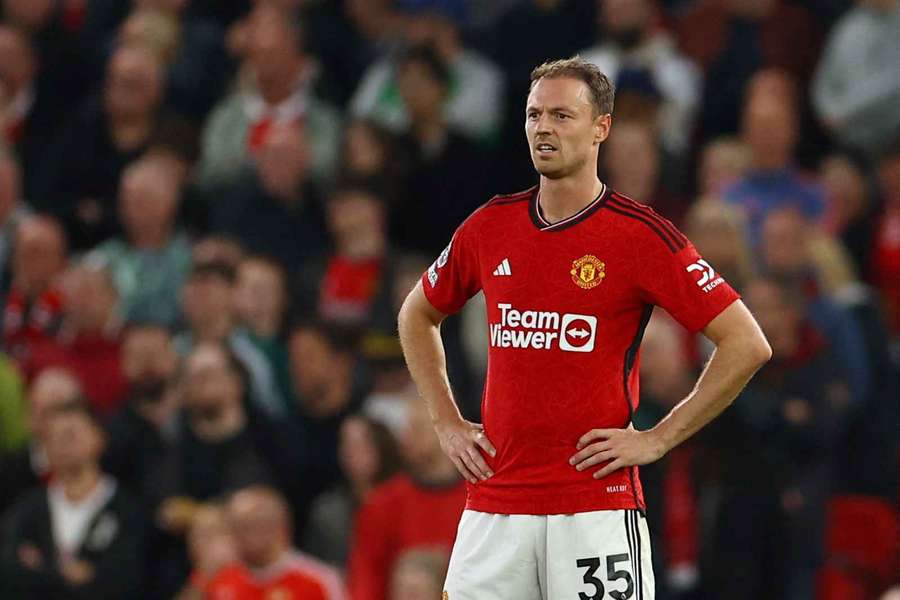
{"points": [[89, 337], [413, 509], [261, 521], [33, 308]]}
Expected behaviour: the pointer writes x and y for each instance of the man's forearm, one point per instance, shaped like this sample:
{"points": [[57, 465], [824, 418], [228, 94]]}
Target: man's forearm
{"points": [[728, 371], [427, 363]]}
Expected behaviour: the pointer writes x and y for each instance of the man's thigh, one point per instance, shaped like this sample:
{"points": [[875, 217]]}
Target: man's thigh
{"points": [[495, 557], [601, 555]]}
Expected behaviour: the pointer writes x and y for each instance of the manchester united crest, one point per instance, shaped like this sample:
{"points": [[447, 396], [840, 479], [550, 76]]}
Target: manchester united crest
{"points": [[588, 271]]}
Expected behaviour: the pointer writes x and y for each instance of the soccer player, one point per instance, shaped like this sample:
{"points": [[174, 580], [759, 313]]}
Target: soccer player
{"points": [[570, 271]]}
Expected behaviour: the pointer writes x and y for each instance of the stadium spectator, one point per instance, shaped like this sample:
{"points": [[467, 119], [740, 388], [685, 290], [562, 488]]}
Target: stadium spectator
{"points": [[733, 39], [151, 262], [412, 509], [368, 455], [219, 444], [673, 498], [13, 210], [850, 216], [419, 575], [770, 524], [81, 171], [81, 536], [717, 230], [28, 466], [446, 172], [639, 57], [33, 307], [278, 94], [145, 427], [856, 87], [368, 154], [275, 209], [329, 384], [632, 163], [724, 162], [351, 287], [261, 521], [261, 302], [471, 105], [191, 48], [209, 309], [89, 337], [786, 254], [770, 131], [212, 548]]}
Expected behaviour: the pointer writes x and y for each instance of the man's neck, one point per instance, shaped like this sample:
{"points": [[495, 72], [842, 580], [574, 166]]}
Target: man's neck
{"points": [[130, 133], [564, 197], [151, 240], [78, 484]]}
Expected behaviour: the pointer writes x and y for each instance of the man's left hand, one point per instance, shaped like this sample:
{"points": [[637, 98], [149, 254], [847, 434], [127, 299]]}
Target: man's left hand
{"points": [[621, 447]]}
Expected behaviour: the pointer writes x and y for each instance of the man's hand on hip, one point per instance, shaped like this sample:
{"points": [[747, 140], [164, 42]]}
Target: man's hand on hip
{"points": [[621, 447], [463, 441]]}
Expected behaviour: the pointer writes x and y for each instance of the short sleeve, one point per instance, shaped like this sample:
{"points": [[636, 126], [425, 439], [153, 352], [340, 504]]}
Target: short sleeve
{"points": [[684, 284], [453, 277]]}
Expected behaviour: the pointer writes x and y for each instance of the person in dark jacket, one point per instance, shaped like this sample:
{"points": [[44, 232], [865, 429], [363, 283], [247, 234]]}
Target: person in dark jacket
{"points": [[81, 536]]}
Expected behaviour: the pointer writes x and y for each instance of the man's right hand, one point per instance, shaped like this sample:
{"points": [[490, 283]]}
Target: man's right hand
{"points": [[461, 441]]}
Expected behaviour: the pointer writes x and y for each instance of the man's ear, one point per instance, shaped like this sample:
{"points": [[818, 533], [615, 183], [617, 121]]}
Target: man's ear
{"points": [[602, 125]]}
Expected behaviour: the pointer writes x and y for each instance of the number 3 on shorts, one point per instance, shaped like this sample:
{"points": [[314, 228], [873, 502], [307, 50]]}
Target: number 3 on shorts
{"points": [[613, 576]]}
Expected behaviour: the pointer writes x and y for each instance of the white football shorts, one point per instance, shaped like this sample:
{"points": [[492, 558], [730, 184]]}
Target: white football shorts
{"points": [[600, 555]]}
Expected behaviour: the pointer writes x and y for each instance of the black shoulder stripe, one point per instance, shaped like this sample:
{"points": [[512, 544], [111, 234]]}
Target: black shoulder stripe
{"points": [[510, 198], [652, 225], [647, 211], [506, 200]]}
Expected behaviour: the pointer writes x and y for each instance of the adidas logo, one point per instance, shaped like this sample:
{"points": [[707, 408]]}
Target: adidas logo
{"points": [[503, 268]]}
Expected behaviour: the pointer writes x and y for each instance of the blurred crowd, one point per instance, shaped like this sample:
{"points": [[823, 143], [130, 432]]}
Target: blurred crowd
{"points": [[211, 210]]}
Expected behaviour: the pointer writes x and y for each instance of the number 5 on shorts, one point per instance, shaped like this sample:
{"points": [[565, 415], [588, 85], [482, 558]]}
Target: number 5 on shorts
{"points": [[612, 575]]}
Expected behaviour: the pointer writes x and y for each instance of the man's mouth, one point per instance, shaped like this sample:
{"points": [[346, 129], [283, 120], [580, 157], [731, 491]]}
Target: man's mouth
{"points": [[545, 148]]}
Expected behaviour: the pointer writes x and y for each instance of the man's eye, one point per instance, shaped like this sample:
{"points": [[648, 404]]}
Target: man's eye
{"points": [[561, 116], [532, 115]]}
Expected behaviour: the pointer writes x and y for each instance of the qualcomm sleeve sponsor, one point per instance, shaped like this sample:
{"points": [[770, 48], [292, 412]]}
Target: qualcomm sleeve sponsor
{"points": [[708, 278], [543, 330]]}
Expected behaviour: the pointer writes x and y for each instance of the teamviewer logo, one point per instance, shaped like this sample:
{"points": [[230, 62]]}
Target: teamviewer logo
{"points": [[577, 333]]}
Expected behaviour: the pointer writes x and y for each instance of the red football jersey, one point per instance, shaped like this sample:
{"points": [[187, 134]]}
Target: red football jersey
{"points": [[567, 304]]}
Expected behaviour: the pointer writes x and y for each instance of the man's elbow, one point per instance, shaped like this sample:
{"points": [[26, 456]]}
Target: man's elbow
{"points": [[759, 351]]}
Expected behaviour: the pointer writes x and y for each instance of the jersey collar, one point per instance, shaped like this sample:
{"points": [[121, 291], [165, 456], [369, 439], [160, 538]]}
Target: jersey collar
{"points": [[542, 224]]}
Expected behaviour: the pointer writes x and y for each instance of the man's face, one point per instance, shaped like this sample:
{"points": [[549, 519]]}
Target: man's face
{"points": [[210, 385], [422, 93], [72, 440], [259, 292], [207, 297], [769, 127], [133, 83], [257, 528], [148, 200], [38, 255], [784, 244], [353, 214], [312, 368], [563, 134], [147, 354]]}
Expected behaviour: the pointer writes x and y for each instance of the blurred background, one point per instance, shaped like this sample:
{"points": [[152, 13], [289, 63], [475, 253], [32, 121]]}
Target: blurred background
{"points": [[211, 210]]}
